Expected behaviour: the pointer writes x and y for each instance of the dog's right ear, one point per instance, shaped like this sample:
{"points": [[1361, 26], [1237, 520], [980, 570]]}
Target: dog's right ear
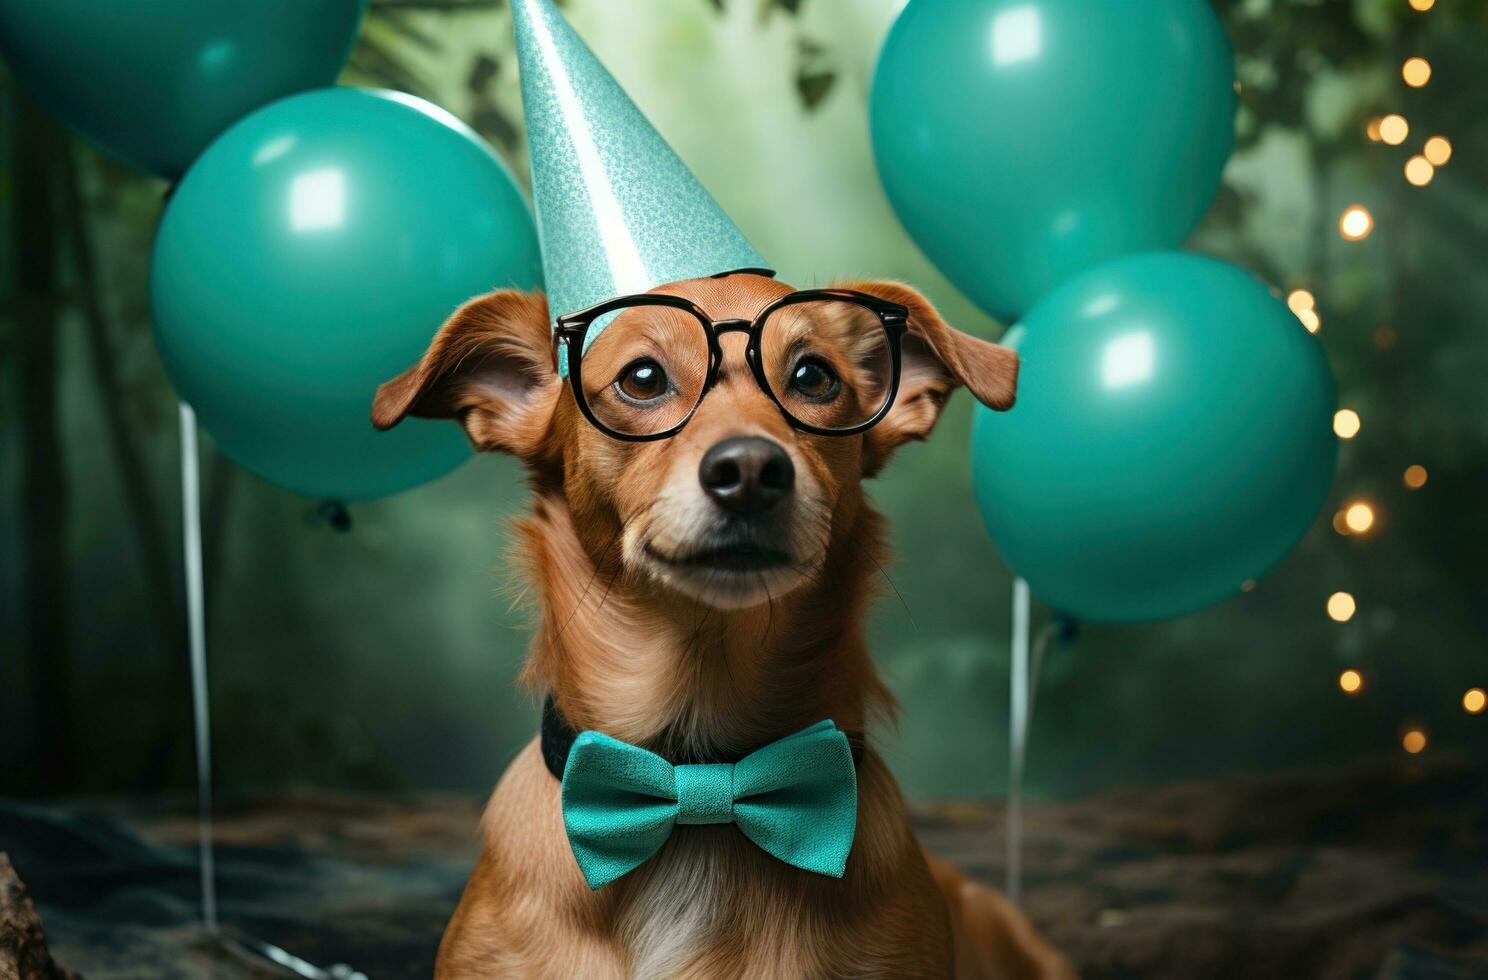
{"points": [[490, 366]]}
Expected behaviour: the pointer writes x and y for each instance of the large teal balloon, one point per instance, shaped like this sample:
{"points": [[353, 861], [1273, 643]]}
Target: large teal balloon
{"points": [[311, 254], [1021, 141], [151, 82], [1172, 439]]}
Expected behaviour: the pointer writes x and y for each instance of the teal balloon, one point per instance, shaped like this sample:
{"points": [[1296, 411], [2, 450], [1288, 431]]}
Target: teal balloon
{"points": [[1172, 439], [1022, 141], [152, 82], [311, 254]]}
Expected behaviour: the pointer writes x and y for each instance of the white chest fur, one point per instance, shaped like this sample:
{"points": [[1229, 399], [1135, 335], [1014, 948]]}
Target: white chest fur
{"points": [[678, 907]]}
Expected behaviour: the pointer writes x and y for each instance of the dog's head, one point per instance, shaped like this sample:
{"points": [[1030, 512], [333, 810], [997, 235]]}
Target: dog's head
{"points": [[737, 507]]}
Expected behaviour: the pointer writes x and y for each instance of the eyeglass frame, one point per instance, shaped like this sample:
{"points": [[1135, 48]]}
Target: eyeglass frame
{"points": [[573, 327]]}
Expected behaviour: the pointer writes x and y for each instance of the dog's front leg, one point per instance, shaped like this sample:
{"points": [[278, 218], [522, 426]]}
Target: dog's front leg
{"points": [[526, 912]]}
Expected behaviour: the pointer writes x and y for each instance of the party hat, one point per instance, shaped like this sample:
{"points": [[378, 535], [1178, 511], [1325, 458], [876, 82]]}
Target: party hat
{"points": [[617, 211]]}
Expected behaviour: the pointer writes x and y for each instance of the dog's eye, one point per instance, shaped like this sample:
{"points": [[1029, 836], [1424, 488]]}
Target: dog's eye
{"points": [[642, 380], [813, 380]]}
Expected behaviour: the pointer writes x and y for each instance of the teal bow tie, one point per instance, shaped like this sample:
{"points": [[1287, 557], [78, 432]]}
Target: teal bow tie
{"points": [[796, 798]]}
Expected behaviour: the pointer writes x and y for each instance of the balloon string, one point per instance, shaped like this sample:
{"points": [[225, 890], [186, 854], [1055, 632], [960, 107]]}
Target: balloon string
{"points": [[1017, 735], [196, 619], [1024, 689]]}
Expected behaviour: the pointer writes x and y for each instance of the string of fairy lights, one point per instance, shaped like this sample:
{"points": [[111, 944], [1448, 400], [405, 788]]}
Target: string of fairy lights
{"points": [[1357, 517]]}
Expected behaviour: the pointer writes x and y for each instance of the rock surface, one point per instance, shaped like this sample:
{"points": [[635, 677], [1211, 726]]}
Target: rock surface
{"points": [[23, 946], [1378, 873]]}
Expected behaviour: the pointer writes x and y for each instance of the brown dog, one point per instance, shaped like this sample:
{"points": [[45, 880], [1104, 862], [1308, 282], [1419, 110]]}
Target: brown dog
{"points": [[647, 635]]}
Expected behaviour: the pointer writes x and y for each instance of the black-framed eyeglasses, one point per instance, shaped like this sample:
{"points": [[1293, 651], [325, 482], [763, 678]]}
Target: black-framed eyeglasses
{"points": [[641, 365]]}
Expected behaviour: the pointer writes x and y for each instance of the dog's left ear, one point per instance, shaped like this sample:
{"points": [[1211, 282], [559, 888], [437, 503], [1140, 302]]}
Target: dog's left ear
{"points": [[937, 358]]}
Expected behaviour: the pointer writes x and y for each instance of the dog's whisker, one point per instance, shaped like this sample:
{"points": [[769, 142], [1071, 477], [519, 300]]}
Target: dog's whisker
{"points": [[868, 553], [604, 597], [769, 610], [603, 557]]}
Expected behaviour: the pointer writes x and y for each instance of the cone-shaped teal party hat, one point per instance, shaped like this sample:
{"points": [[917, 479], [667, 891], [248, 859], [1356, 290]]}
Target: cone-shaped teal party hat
{"points": [[617, 211]]}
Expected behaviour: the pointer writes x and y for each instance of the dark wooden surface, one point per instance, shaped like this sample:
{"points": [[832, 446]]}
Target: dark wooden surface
{"points": [[1375, 872]]}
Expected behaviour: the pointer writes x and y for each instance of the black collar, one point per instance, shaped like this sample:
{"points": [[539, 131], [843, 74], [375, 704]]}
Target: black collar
{"points": [[558, 737]]}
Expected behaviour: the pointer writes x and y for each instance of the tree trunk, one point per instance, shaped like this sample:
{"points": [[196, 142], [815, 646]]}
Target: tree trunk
{"points": [[43, 477], [134, 479]]}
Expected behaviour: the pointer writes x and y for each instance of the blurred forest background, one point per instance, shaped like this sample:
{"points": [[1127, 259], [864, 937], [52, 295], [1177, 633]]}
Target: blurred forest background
{"points": [[382, 659]]}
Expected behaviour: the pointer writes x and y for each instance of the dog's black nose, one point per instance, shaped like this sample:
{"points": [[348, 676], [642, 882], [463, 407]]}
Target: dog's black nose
{"points": [[747, 474]]}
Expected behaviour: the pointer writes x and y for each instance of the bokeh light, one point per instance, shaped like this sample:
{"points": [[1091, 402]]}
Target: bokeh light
{"points": [[1438, 150], [1416, 72], [1356, 223], [1351, 682], [1475, 700], [1394, 129], [1341, 607], [1419, 171], [1372, 129], [1414, 741], [1346, 423], [1359, 517], [1422, 4], [1302, 303], [1415, 476]]}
